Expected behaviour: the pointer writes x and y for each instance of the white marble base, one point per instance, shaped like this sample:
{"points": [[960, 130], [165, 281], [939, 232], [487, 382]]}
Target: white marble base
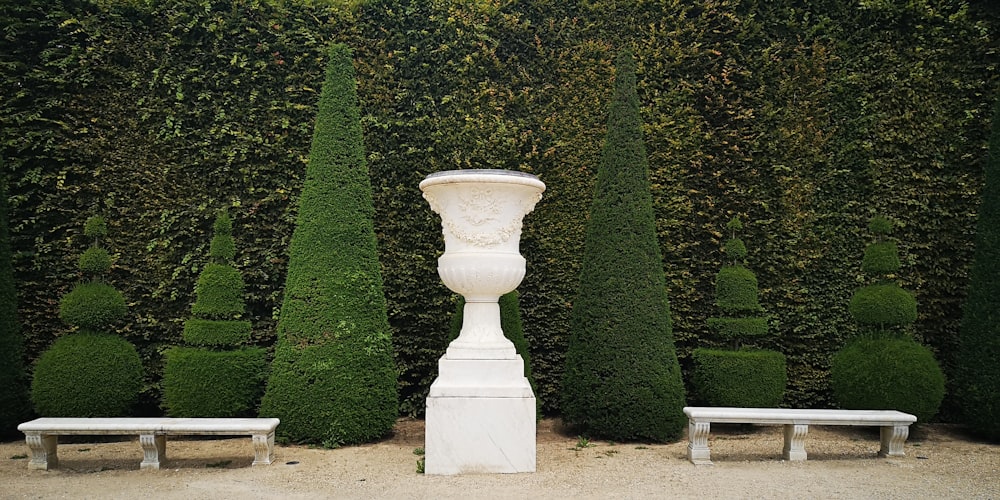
{"points": [[480, 418]]}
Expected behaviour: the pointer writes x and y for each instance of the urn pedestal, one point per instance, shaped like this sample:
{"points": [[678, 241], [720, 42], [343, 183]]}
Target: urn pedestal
{"points": [[480, 409]]}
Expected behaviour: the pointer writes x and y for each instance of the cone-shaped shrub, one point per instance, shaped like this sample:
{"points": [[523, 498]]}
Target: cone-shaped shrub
{"points": [[90, 373], [510, 323], [622, 378], [14, 404], [216, 379], [977, 370], [333, 379], [885, 369], [742, 377]]}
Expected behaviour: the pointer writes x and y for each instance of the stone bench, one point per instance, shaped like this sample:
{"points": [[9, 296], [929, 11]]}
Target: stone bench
{"points": [[42, 435], [895, 427]]}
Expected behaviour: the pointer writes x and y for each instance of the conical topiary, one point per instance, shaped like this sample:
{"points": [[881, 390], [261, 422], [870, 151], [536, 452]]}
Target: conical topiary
{"points": [[885, 369], [622, 378], [977, 371], [333, 379], [740, 376], [89, 373], [14, 404], [216, 377]]}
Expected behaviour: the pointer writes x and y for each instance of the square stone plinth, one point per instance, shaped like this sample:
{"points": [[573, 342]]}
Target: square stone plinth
{"points": [[467, 435]]}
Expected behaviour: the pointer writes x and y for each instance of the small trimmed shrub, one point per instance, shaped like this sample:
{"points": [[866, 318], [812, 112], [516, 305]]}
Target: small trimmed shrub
{"points": [[87, 374], [622, 379], [743, 378], [200, 382], [333, 379], [739, 377], [92, 306], [977, 365], [14, 403], [884, 369], [888, 373], [203, 383]]}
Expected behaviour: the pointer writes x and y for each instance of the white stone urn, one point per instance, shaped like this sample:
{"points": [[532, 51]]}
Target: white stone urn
{"points": [[481, 213], [480, 409]]}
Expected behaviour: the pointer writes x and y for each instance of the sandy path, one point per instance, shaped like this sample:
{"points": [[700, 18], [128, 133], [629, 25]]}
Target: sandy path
{"points": [[939, 463]]}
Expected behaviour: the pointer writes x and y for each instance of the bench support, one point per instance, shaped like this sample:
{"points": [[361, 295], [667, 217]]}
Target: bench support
{"points": [[154, 447], [43, 451], [795, 442], [892, 438], [698, 452], [263, 449]]}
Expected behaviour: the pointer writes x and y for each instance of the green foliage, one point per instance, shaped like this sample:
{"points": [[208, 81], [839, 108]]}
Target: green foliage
{"points": [[222, 249], [735, 249], [95, 227], [203, 383], [883, 305], [87, 374], [888, 373], [212, 332], [622, 378], [736, 290], [880, 226], [14, 405], [737, 329], [92, 306], [743, 378], [219, 292], [95, 261], [881, 258], [977, 374], [333, 379]]}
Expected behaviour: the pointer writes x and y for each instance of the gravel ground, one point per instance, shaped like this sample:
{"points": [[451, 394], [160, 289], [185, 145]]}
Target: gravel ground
{"points": [[940, 462]]}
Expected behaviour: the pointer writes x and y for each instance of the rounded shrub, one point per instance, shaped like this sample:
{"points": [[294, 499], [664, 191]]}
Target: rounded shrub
{"points": [[94, 261], [881, 258], [95, 227], [736, 290], [738, 328], [883, 305], [887, 373], [744, 378], [92, 306], [204, 383], [212, 332], [222, 248], [220, 292], [87, 374]]}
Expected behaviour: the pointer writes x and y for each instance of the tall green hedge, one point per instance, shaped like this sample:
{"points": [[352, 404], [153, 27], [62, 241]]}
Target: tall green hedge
{"points": [[622, 377], [977, 377], [796, 115], [333, 380], [14, 405]]}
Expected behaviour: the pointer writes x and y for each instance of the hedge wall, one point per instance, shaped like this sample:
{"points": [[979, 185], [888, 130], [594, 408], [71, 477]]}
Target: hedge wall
{"points": [[803, 120]]}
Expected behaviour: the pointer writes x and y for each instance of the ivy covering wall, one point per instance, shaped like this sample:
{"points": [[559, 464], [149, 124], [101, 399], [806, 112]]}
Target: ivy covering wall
{"points": [[803, 120]]}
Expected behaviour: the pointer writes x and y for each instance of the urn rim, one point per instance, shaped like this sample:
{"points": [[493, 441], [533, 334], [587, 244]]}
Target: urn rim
{"points": [[481, 175]]}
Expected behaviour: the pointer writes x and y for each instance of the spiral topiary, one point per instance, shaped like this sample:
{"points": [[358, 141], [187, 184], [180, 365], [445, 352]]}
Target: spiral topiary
{"points": [[885, 369], [216, 377], [740, 377], [89, 373]]}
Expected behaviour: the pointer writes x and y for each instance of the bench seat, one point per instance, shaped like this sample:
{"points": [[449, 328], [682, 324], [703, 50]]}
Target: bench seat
{"points": [[42, 435], [894, 427]]}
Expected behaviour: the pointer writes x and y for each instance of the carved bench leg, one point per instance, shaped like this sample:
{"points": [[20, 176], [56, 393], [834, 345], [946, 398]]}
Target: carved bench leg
{"points": [[698, 452], [263, 449], [892, 438], [43, 451], [154, 448], [795, 442]]}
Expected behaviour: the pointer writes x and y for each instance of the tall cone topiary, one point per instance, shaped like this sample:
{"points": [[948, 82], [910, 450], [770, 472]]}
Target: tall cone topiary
{"points": [[14, 404], [977, 371], [215, 377], [884, 368], [333, 379], [622, 378], [91, 372], [740, 376]]}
